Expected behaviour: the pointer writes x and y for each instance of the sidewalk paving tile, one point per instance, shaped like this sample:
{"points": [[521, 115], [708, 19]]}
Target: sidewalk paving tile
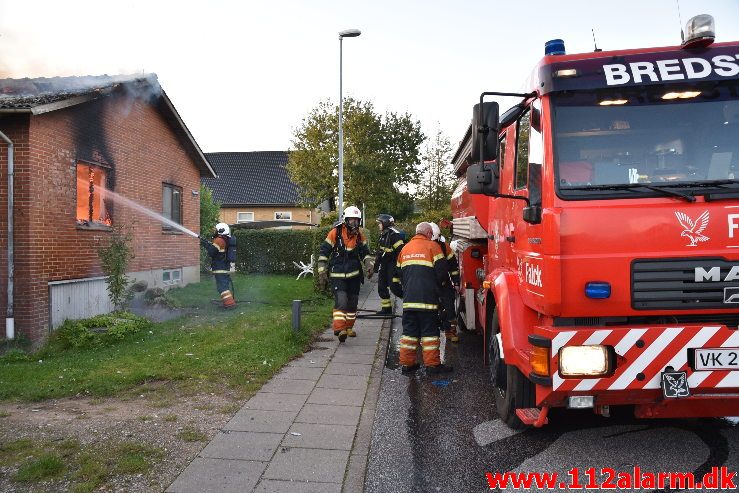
{"points": [[242, 445], [318, 413], [356, 359], [356, 473], [218, 476], [343, 382], [285, 386], [358, 349], [313, 362], [348, 369], [299, 373], [337, 397], [261, 421], [276, 402], [333, 436], [277, 486], [308, 464]]}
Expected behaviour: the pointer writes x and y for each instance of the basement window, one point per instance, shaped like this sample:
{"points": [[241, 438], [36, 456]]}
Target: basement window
{"points": [[171, 204], [91, 186], [171, 277]]}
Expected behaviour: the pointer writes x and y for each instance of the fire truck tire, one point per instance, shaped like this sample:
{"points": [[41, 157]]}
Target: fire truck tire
{"points": [[511, 389]]}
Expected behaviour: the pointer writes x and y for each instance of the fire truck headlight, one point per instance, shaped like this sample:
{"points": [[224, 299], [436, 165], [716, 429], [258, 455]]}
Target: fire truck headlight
{"points": [[584, 361], [598, 290]]}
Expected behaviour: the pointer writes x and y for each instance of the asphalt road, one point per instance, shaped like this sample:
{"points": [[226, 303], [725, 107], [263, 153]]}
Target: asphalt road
{"points": [[442, 434]]}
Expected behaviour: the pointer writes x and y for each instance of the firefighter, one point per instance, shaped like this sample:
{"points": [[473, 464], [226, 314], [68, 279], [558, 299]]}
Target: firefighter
{"points": [[421, 272], [342, 258], [222, 251], [447, 296], [389, 245]]}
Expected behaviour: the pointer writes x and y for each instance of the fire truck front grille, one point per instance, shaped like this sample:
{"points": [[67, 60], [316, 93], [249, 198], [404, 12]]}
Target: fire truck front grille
{"points": [[684, 284]]}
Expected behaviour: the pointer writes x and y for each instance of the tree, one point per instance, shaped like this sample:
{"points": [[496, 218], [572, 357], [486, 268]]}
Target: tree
{"points": [[210, 211], [381, 157], [437, 186], [114, 260]]}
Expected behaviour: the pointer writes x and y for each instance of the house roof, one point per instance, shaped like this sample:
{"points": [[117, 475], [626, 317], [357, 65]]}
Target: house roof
{"points": [[45, 94], [251, 178]]}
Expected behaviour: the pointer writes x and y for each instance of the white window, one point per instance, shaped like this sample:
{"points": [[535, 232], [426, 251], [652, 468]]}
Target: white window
{"points": [[244, 217], [284, 216], [171, 277]]}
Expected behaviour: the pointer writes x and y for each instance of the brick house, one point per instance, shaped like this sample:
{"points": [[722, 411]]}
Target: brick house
{"points": [[74, 138], [255, 187]]}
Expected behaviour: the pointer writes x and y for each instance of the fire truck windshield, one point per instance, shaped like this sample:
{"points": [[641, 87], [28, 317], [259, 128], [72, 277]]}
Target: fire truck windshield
{"points": [[606, 144]]}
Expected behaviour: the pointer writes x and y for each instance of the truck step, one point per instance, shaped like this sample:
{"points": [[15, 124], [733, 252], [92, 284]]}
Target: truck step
{"points": [[531, 416]]}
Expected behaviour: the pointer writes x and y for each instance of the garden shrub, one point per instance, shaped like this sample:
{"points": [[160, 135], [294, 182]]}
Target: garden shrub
{"points": [[102, 330]]}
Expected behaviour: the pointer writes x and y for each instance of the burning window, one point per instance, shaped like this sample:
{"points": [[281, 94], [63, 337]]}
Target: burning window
{"points": [[172, 203], [91, 186]]}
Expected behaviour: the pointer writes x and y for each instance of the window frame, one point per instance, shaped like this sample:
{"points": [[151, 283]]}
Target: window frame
{"points": [[105, 206], [239, 221], [174, 188], [520, 173]]}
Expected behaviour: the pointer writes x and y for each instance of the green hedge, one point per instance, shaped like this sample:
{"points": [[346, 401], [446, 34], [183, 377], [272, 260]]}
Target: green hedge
{"points": [[273, 251]]}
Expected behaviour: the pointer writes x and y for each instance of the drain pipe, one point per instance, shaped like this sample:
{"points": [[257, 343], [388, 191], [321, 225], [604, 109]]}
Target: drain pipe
{"points": [[9, 320]]}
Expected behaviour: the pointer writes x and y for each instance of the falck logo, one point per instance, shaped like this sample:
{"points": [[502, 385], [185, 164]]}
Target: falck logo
{"points": [[693, 230]]}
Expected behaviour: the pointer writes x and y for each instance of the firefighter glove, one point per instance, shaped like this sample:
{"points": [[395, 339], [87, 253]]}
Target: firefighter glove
{"points": [[323, 280], [204, 241], [370, 266]]}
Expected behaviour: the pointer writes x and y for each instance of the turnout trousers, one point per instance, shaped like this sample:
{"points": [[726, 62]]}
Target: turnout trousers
{"points": [[346, 299], [223, 286], [420, 329], [384, 280]]}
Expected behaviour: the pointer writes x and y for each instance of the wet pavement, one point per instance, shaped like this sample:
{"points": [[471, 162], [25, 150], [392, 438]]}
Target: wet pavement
{"points": [[442, 434]]}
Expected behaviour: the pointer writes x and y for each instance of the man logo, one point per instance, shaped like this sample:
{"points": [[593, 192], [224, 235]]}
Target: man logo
{"points": [[731, 295]]}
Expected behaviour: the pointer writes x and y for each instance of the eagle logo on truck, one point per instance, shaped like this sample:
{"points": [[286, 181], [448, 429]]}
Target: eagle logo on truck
{"points": [[693, 230]]}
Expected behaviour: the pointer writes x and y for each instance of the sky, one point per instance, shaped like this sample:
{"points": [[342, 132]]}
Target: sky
{"points": [[244, 74]]}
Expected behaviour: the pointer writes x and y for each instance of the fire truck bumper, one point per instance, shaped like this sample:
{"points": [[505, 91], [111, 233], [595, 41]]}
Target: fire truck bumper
{"points": [[664, 371]]}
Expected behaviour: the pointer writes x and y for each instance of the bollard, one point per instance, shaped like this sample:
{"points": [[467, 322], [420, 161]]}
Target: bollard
{"points": [[296, 315]]}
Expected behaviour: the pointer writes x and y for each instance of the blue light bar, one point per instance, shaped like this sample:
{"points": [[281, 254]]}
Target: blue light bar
{"points": [[598, 290], [554, 47]]}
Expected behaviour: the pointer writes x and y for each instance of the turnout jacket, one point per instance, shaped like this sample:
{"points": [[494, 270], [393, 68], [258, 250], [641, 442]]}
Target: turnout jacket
{"points": [[451, 261], [391, 241], [343, 255], [217, 252], [421, 271]]}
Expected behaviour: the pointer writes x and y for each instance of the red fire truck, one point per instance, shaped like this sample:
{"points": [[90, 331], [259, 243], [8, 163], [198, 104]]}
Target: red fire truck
{"points": [[597, 226]]}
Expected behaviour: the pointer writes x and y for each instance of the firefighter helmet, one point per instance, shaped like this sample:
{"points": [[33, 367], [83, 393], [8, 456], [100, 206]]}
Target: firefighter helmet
{"points": [[436, 232], [386, 220], [223, 229], [350, 213]]}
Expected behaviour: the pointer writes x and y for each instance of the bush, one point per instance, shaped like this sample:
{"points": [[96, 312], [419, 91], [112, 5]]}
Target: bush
{"points": [[273, 251], [102, 330]]}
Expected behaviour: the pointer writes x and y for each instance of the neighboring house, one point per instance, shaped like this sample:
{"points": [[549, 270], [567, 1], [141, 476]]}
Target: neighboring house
{"points": [[74, 139], [255, 186]]}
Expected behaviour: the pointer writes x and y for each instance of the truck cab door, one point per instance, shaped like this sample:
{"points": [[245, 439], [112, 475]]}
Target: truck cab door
{"points": [[527, 181]]}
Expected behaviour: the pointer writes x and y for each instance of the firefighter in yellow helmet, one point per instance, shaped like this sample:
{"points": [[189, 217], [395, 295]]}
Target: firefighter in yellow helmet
{"points": [[342, 258]]}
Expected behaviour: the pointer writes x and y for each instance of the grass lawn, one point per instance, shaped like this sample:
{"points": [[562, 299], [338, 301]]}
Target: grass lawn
{"points": [[207, 348]]}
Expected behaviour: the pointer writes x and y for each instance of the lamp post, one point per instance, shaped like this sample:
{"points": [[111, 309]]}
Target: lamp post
{"points": [[349, 33]]}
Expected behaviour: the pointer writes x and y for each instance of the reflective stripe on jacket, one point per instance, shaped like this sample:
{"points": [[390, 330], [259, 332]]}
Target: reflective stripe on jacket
{"points": [[422, 270], [344, 258]]}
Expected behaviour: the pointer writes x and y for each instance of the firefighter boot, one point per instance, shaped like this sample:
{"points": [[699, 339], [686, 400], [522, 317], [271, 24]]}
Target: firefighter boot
{"points": [[350, 332], [228, 300], [440, 368], [405, 370], [341, 335], [451, 332]]}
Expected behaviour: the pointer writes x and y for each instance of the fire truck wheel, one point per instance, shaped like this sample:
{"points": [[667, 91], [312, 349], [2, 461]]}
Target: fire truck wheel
{"points": [[510, 388]]}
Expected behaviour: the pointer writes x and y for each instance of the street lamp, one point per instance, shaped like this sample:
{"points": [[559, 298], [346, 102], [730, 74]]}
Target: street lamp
{"points": [[349, 33]]}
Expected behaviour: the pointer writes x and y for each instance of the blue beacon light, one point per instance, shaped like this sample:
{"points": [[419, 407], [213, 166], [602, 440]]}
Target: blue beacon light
{"points": [[598, 290], [554, 47]]}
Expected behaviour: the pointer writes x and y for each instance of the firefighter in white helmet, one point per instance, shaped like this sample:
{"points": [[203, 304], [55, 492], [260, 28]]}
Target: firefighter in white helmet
{"points": [[342, 259], [447, 295], [222, 251]]}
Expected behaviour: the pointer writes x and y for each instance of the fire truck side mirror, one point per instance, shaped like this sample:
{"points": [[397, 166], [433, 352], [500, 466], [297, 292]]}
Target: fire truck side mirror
{"points": [[482, 178], [485, 130]]}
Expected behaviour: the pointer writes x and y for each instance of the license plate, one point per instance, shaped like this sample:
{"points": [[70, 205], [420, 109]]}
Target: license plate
{"points": [[717, 359]]}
